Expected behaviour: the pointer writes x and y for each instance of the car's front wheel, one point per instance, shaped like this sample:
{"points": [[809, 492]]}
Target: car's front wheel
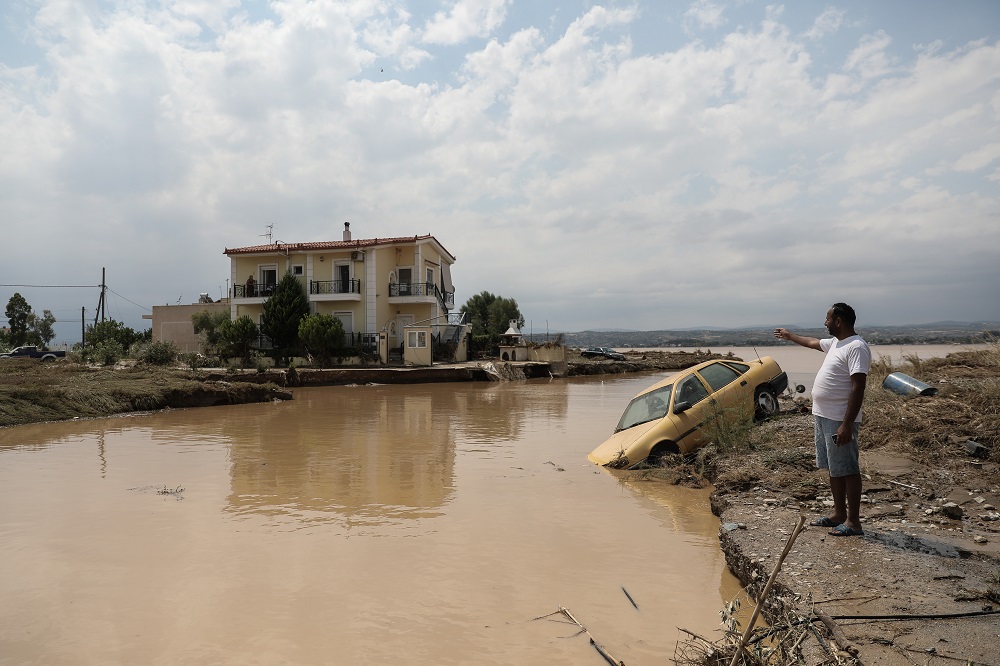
{"points": [[655, 456], [765, 403]]}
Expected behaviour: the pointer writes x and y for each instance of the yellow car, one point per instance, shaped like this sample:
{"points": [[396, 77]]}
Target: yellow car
{"points": [[674, 415]]}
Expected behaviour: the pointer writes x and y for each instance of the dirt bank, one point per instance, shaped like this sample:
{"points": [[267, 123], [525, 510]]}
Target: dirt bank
{"points": [[34, 392], [635, 361], [930, 513]]}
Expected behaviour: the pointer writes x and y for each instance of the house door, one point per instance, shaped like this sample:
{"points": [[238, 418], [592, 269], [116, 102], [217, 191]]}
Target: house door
{"points": [[343, 285], [405, 280], [396, 330], [268, 278]]}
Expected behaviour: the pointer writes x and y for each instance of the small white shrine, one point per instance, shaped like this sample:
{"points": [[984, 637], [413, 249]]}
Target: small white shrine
{"points": [[512, 344]]}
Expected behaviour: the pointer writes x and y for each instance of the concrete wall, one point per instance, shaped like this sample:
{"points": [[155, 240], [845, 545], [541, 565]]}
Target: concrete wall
{"points": [[172, 323]]}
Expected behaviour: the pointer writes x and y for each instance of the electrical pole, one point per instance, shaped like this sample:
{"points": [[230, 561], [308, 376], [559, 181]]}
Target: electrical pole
{"points": [[100, 302], [83, 328]]}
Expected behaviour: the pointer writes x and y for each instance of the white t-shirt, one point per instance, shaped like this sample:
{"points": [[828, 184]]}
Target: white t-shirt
{"points": [[832, 387]]}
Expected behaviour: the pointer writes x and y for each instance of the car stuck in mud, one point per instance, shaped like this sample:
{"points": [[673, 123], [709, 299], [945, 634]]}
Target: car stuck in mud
{"points": [[674, 415]]}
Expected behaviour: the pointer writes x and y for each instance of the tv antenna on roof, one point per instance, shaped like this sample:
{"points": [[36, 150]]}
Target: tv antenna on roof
{"points": [[270, 228]]}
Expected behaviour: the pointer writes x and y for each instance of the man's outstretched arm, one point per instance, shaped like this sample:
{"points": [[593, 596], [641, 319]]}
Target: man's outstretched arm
{"points": [[785, 334]]}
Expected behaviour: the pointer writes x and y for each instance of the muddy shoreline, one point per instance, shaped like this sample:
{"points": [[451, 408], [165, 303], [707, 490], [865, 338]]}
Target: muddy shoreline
{"points": [[931, 548]]}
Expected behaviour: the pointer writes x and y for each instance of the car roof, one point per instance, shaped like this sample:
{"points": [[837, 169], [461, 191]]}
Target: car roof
{"points": [[680, 374]]}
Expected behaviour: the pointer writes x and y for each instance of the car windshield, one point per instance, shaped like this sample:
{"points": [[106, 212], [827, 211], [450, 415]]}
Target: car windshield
{"points": [[647, 407]]}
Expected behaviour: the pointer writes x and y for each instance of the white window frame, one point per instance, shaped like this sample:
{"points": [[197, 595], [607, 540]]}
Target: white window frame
{"points": [[347, 320], [416, 339], [298, 270]]}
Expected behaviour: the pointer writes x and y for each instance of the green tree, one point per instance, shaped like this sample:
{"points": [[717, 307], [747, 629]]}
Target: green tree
{"points": [[282, 313], [209, 326], [18, 315], [490, 315], [238, 338], [40, 330], [118, 332], [323, 337]]}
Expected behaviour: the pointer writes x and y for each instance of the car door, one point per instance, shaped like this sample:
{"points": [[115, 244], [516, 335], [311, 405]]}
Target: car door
{"points": [[729, 398], [725, 384], [689, 421]]}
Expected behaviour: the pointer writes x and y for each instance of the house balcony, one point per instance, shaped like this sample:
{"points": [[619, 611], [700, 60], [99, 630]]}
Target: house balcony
{"points": [[420, 292], [335, 290], [262, 291]]}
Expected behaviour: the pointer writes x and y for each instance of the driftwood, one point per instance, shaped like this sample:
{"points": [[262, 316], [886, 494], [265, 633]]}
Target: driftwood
{"points": [[838, 634], [767, 589], [597, 646], [630, 598]]}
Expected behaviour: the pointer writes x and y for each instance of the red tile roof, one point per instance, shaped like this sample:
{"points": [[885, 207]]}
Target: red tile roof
{"points": [[330, 245]]}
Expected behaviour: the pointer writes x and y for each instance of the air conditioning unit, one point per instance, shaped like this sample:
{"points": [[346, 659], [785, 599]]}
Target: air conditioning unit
{"points": [[357, 256]]}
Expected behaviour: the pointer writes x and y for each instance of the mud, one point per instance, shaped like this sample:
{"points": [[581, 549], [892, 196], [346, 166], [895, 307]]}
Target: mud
{"points": [[929, 512]]}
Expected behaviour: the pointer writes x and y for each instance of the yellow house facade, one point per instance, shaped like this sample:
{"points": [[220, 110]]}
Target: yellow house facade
{"points": [[373, 285]]}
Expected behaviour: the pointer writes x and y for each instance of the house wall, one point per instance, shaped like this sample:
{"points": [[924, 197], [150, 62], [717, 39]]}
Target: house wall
{"points": [[172, 323], [372, 312]]}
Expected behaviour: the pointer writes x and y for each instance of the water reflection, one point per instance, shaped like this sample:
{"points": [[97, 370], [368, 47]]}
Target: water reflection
{"points": [[366, 455]]}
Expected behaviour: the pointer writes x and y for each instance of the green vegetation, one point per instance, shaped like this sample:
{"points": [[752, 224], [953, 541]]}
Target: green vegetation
{"points": [[110, 341], [155, 353], [490, 315], [282, 313], [323, 338], [238, 339], [209, 326], [25, 327]]}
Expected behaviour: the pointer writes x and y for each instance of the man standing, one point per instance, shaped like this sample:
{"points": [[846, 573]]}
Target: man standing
{"points": [[837, 395]]}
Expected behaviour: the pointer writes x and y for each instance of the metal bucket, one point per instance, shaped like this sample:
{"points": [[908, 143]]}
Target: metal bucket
{"points": [[902, 384]]}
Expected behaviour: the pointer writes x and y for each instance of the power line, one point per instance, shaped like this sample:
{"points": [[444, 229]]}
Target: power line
{"points": [[125, 299], [54, 286]]}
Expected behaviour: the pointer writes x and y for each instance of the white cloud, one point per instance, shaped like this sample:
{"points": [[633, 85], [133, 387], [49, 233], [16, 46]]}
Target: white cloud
{"points": [[467, 18], [826, 23], [705, 14], [871, 58], [599, 180]]}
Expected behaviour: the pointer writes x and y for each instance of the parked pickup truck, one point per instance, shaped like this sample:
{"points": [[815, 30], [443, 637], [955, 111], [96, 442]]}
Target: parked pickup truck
{"points": [[33, 352]]}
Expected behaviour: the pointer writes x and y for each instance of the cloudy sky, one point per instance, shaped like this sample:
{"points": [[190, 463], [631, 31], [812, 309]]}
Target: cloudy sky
{"points": [[621, 164]]}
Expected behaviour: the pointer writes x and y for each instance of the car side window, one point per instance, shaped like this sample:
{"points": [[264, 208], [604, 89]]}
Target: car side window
{"points": [[718, 375], [740, 368], [690, 390]]}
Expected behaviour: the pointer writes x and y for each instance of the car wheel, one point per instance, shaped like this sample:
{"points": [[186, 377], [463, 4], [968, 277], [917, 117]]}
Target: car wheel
{"points": [[765, 403], [655, 456]]}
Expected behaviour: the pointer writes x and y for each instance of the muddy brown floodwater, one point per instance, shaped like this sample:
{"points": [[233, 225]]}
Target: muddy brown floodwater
{"points": [[422, 524]]}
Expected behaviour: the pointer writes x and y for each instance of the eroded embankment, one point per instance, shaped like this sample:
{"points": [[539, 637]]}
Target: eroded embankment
{"points": [[924, 579]]}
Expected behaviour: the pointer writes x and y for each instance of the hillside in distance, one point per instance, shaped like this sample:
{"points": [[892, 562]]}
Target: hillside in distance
{"points": [[935, 333]]}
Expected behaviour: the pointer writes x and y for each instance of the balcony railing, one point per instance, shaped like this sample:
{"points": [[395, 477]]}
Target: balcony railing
{"points": [[447, 298], [335, 286], [252, 290]]}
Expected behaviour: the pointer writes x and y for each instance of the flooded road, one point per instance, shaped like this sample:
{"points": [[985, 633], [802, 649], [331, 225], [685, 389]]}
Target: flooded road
{"points": [[423, 524]]}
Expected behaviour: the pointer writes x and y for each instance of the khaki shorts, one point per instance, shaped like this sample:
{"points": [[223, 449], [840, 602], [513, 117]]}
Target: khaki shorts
{"points": [[840, 460]]}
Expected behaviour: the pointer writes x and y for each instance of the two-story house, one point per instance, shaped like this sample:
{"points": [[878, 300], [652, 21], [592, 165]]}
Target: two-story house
{"points": [[373, 285]]}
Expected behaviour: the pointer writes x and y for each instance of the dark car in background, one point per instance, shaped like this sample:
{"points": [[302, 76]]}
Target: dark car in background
{"points": [[602, 352], [33, 352]]}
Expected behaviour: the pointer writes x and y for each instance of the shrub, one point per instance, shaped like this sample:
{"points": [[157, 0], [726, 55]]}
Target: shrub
{"points": [[156, 353], [106, 352], [323, 337]]}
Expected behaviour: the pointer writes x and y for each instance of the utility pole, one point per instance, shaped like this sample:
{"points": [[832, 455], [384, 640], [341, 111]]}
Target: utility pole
{"points": [[83, 328], [100, 303]]}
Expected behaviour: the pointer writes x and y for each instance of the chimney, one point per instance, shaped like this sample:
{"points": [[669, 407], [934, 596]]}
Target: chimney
{"points": [[347, 231]]}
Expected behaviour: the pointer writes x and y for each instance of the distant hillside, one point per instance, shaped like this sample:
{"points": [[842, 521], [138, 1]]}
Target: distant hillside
{"points": [[936, 333]]}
